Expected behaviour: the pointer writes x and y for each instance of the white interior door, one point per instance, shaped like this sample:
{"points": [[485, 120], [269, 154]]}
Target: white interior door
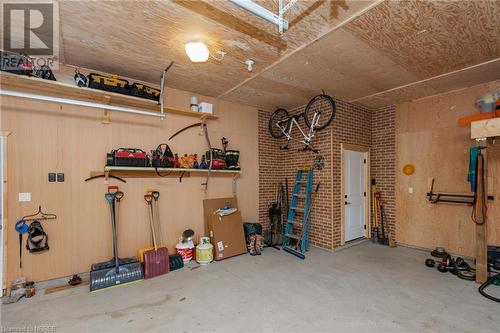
{"points": [[354, 190]]}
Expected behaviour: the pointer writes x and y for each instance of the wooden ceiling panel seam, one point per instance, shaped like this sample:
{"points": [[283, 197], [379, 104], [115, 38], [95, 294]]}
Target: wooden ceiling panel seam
{"points": [[300, 48], [427, 80]]}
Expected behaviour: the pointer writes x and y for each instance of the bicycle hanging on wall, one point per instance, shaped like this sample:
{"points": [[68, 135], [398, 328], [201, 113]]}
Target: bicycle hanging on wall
{"points": [[317, 115]]}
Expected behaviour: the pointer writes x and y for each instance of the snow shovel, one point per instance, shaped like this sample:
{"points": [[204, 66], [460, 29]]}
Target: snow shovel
{"points": [[156, 261]]}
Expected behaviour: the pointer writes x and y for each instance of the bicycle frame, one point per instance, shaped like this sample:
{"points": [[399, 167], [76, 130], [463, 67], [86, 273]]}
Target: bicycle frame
{"points": [[293, 119]]}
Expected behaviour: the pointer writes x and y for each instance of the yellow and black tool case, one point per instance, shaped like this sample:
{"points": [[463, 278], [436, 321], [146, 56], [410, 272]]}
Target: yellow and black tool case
{"points": [[144, 91], [109, 83]]}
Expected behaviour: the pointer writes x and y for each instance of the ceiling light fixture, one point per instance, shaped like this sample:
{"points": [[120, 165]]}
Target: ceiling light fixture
{"points": [[197, 51]]}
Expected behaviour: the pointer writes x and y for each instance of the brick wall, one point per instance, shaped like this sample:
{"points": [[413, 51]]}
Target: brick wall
{"points": [[270, 167], [353, 125], [383, 160]]}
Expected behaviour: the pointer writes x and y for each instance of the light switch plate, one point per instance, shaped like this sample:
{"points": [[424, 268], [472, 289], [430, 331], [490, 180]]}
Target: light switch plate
{"points": [[24, 197], [410, 189]]}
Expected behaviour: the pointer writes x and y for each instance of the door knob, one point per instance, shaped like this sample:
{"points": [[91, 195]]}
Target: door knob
{"points": [[347, 203]]}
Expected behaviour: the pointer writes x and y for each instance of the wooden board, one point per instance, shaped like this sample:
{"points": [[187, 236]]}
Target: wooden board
{"points": [[48, 137], [66, 287], [485, 128], [71, 91], [429, 137]]}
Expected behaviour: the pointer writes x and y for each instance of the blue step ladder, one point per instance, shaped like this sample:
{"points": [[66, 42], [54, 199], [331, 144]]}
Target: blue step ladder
{"points": [[296, 231]]}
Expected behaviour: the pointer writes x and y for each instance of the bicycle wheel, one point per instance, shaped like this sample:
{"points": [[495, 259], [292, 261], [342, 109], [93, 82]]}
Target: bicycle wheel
{"points": [[279, 122], [320, 112]]}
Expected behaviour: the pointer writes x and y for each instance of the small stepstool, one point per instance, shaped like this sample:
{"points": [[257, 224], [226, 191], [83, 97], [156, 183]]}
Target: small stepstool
{"points": [[296, 231]]}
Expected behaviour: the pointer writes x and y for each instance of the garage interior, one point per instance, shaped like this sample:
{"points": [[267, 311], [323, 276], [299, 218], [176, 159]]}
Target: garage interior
{"points": [[250, 166]]}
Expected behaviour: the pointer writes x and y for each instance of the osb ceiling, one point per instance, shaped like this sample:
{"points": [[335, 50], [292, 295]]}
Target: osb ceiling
{"points": [[139, 39], [370, 52], [394, 52]]}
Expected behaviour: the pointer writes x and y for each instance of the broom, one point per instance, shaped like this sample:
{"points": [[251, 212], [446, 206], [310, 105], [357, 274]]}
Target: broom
{"points": [[120, 273]]}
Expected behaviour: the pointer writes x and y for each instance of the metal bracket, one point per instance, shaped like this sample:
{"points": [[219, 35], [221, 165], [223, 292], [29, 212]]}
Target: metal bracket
{"points": [[235, 178], [162, 87], [282, 11], [266, 14]]}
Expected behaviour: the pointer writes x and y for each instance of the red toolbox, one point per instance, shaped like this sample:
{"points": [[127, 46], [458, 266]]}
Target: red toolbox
{"points": [[132, 157]]}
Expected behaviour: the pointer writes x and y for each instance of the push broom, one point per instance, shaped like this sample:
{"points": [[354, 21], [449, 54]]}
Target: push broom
{"points": [[122, 261], [120, 273]]}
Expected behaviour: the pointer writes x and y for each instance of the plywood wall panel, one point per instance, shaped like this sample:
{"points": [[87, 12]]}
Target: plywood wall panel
{"points": [[48, 137], [427, 136]]}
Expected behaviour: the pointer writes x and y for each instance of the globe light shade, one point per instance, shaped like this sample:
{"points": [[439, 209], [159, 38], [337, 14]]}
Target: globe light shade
{"points": [[197, 51]]}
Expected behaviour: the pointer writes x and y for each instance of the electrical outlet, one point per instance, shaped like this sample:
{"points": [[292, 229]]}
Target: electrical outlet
{"points": [[24, 197], [410, 189], [60, 177], [52, 177]]}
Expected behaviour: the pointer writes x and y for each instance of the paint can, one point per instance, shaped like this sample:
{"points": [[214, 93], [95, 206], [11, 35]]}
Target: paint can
{"points": [[185, 250], [204, 251]]}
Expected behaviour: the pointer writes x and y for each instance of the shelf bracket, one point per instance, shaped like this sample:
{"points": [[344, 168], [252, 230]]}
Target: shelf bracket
{"points": [[105, 113], [234, 184], [182, 175]]}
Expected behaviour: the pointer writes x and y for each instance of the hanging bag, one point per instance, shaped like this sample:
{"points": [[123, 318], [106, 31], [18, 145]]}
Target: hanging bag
{"points": [[38, 240]]}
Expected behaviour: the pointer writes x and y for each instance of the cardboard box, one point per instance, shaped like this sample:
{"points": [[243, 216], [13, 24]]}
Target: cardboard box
{"points": [[205, 108], [227, 235], [211, 205]]}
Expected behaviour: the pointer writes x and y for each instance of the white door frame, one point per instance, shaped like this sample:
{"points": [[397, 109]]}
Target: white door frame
{"points": [[366, 151], [3, 212]]}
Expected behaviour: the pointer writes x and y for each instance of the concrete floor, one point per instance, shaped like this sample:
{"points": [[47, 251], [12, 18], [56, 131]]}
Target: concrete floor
{"points": [[367, 287]]}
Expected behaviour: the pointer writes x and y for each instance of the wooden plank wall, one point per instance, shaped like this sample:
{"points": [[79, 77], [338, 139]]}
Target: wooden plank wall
{"points": [[427, 136], [48, 137]]}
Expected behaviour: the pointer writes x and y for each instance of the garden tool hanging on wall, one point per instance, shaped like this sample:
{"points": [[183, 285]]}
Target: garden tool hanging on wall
{"points": [[38, 240], [203, 132]]}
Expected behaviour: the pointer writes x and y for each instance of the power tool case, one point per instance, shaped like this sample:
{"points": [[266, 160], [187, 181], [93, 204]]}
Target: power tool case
{"points": [[109, 83], [132, 157]]}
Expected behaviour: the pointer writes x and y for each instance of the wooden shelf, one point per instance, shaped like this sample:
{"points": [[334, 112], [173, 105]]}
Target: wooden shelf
{"points": [[148, 172], [485, 128], [63, 90]]}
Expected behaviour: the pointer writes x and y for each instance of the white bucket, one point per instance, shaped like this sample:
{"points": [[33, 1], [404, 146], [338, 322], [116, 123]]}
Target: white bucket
{"points": [[185, 250]]}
